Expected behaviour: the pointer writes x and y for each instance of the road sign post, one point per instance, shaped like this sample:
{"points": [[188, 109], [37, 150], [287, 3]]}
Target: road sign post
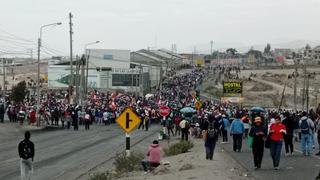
{"points": [[128, 121], [127, 144], [164, 111]]}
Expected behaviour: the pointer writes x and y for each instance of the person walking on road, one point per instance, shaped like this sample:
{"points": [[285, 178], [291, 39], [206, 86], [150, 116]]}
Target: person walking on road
{"points": [[146, 121], [177, 121], [74, 117], [210, 139], [258, 132], [170, 126], [237, 130], [277, 132], [318, 134], [307, 127], [225, 129], [154, 157], [288, 137], [26, 154], [2, 112], [87, 121], [184, 125], [245, 120]]}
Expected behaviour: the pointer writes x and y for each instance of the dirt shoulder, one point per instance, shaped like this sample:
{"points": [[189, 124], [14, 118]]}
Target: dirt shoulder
{"points": [[193, 165]]}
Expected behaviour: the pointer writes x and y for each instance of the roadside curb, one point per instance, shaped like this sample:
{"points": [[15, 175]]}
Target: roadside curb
{"points": [[249, 173]]}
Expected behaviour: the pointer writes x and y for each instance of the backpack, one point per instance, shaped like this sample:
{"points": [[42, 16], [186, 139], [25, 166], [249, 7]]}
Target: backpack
{"points": [[187, 126], [304, 127], [211, 132]]}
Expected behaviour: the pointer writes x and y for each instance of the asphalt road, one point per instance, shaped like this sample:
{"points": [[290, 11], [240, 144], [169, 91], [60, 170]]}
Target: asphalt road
{"points": [[68, 154], [296, 167]]}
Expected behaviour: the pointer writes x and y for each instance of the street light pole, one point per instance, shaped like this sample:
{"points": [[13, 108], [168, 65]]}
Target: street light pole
{"points": [[38, 73], [87, 63]]}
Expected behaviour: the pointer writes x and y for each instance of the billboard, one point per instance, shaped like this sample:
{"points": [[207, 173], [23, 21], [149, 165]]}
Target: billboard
{"points": [[232, 88], [59, 77], [232, 99]]}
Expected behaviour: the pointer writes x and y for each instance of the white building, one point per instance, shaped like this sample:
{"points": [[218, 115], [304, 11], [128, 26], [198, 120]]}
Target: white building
{"points": [[108, 69]]}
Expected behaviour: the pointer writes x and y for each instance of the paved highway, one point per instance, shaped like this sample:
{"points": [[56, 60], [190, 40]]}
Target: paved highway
{"points": [[67, 154], [296, 167]]}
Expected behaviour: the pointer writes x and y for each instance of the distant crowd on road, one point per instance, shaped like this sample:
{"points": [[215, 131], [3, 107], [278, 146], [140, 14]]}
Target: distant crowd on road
{"points": [[262, 128]]}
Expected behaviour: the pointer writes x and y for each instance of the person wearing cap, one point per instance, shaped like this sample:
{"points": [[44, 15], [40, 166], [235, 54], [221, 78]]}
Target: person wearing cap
{"points": [[153, 157], [276, 132], [258, 132]]}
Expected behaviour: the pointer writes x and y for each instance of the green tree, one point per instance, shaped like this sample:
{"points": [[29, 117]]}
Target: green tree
{"points": [[231, 51], [19, 92]]}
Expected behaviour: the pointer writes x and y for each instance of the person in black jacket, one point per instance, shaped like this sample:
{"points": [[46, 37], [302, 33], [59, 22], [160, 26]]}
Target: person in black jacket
{"points": [[26, 153], [2, 112], [210, 135], [258, 132], [74, 116], [288, 138]]}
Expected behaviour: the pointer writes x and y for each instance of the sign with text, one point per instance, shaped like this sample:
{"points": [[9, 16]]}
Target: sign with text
{"points": [[128, 120], [232, 88]]}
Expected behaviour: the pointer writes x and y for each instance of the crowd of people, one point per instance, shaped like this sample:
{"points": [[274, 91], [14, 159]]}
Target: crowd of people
{"points": [[263, 129], [269, 129]]}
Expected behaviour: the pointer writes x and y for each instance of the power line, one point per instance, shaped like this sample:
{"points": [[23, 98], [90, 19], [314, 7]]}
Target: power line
{"points": [[54, 50], [15, 36]]}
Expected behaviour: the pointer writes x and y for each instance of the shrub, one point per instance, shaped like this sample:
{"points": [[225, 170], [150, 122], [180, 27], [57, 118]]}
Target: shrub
{"points": [[125, 164], [101, 176], [178, 148]]}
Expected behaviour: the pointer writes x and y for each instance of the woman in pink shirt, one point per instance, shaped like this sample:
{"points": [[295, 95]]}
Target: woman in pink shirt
{"points": [[154, 156]]}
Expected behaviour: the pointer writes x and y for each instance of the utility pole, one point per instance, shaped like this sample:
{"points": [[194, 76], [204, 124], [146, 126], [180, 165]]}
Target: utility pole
{"points": [[193, 54], [295, 74], [76, 79], [87, 70], [138, 82], [31, 55], [304, 84], [307, 92], [172, 47], [141, 79], [71, 83], [4, 75], [82, 62], [282, 95]]}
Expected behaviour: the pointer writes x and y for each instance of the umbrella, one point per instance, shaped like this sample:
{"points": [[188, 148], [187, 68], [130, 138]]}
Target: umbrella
{"points": [[149, 96], [188, 110], [257, 109]]}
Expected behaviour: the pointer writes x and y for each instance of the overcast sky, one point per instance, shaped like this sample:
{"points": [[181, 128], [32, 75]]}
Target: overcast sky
{"points": [[136, 24]]}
